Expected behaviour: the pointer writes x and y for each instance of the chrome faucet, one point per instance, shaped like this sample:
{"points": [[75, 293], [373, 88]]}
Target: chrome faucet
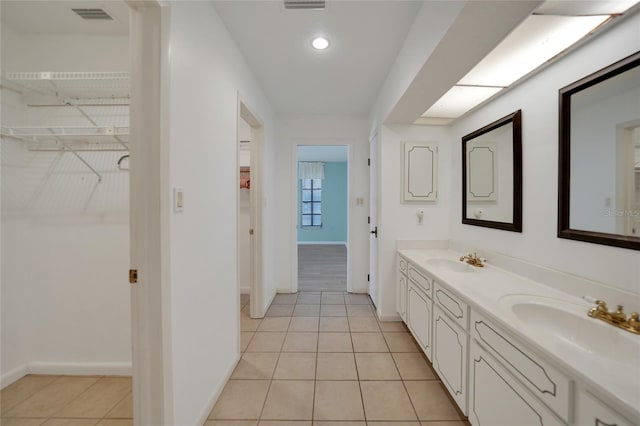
{"points": [[473, 260], [617, 318]]}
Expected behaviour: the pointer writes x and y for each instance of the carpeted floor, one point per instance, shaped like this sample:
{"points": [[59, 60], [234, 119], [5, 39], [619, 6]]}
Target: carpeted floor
{"points": [[322, 267]]}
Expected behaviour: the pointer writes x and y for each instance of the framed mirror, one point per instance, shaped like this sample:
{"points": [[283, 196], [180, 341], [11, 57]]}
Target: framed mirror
{"points": [[599, 157], [492, 175]]}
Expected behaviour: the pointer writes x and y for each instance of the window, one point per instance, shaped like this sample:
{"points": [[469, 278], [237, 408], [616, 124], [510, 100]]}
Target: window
{"points": [[311, 202]]}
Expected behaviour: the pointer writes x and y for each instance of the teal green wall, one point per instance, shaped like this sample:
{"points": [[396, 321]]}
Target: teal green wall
{"points": [[334, 207]]}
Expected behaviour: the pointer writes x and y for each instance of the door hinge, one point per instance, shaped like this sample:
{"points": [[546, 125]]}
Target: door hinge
{"points": [[133, 276], [369, 219], [368, 277], [368, 161], [250, 231]]}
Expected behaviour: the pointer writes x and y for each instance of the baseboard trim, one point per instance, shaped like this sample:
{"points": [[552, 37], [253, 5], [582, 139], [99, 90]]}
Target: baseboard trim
{"points": [[333, 243], [390, 318], [204, 414], [245, 289], [68, 369], [13, 376]]}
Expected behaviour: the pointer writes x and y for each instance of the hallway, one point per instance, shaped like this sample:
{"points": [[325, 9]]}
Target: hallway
{"points": [[323, 357], [322, 267]]}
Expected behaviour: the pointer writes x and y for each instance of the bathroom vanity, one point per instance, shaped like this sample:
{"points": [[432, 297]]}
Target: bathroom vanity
{"points": [[512, 351]]}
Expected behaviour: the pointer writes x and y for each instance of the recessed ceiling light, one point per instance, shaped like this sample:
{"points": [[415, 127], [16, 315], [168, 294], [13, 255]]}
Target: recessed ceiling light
{"points": [[320, 43]]}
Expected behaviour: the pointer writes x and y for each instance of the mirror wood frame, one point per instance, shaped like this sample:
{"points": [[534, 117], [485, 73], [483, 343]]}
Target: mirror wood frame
{"points": [[515, 119], [564, 158]]}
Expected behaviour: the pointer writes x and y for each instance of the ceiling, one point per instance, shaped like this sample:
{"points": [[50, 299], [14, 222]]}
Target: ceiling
{"points": [[365, 38], [56, 17]]}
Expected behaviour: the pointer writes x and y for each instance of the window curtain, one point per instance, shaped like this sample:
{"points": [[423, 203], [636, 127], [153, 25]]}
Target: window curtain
{"points": [[310, 170]]}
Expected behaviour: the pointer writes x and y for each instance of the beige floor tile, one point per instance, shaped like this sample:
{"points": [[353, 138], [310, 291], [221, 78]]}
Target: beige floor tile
{"points": [[284, 423], [241, 400], [285, 299], [401, 342], [53, 397], [334, 324], [246, 310], [413, 366], [249, 324], [296, 366], [369, 342], [245, 338], [300, 342], [357, 299], [309, 299], [231, 423], [98, 400], [274, 324], [304, 324], [22, 389], [123, 410], [336, 366], [393, 423], [289, 400], [363, 324], [376, 367], [280, 311], [334, 342], [386, 400], [460, 423], [306, 311], [332, 299], [393, 326], [71, 422], [338, 400], [256, 365], [360, 311], [333, 311], [266, 341], [116, 422], [21, 422], [430, 401], [339, 423]]}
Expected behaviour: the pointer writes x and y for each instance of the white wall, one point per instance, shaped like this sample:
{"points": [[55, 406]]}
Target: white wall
{"points": [[207, 74], [399, 221], [65, 239], [293, 130], [538, 99]]}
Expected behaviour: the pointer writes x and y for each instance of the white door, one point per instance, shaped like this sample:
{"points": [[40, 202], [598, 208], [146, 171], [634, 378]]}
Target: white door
{"points": [[373, 219]]}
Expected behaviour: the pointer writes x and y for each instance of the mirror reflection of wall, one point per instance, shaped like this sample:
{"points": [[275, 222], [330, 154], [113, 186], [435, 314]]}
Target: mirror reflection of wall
{"points": [[605, 119], [490, 175]]}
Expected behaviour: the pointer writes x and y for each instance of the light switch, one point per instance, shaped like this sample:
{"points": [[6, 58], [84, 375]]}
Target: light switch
{"points": [[178, 199]]}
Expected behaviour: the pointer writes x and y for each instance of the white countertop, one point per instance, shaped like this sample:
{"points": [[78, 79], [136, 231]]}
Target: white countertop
{"points": [[484, 288]]}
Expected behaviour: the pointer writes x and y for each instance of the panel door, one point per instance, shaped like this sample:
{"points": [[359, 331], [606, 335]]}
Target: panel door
{"points": [[419, 171], [401, 295], [419, 318]]}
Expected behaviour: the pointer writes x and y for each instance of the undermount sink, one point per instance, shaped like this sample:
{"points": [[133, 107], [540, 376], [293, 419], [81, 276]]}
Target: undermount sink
{"points": [[450, 265], [566, 327]]}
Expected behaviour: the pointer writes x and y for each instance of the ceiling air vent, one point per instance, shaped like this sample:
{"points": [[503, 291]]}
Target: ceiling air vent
{"points": [[92, 14], [304, 4]]}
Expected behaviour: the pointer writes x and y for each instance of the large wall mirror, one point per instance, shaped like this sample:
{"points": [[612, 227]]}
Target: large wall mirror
{"points": [[492, 175], [599, 163]]}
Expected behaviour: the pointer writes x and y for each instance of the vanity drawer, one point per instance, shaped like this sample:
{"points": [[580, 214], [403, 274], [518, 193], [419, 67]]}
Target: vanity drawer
{"points": [[452, 305], [541, 378], [402, 265], [420, 279]]}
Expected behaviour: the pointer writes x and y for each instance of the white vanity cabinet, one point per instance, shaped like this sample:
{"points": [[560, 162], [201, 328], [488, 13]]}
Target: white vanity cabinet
{"points": [[402, 287], [591, 411], [450, 355], [419, 316]]}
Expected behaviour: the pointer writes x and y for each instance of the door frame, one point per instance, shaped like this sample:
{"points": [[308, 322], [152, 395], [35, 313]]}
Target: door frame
{"points": [[374, 217], [294, 202], [150, 210], [257, 306]]}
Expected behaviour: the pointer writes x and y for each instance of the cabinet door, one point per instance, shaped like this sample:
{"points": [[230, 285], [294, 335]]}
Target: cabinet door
{"points": [[593, 412], [419, 318], [420, 171], [401, 295], [450, 354], [496, 398]]}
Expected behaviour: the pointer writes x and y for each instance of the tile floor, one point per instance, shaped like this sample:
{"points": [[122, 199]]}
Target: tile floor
{"points": [[323, 358], [67, 401]]}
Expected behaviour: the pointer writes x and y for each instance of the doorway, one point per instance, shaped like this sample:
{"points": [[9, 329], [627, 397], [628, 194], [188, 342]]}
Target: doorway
{"points": [[322, 213]]}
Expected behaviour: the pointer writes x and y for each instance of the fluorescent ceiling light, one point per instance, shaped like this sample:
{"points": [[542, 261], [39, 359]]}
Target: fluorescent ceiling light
{"points": [[320, 43], [538, 39], [584, 7], [460, 99]]}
